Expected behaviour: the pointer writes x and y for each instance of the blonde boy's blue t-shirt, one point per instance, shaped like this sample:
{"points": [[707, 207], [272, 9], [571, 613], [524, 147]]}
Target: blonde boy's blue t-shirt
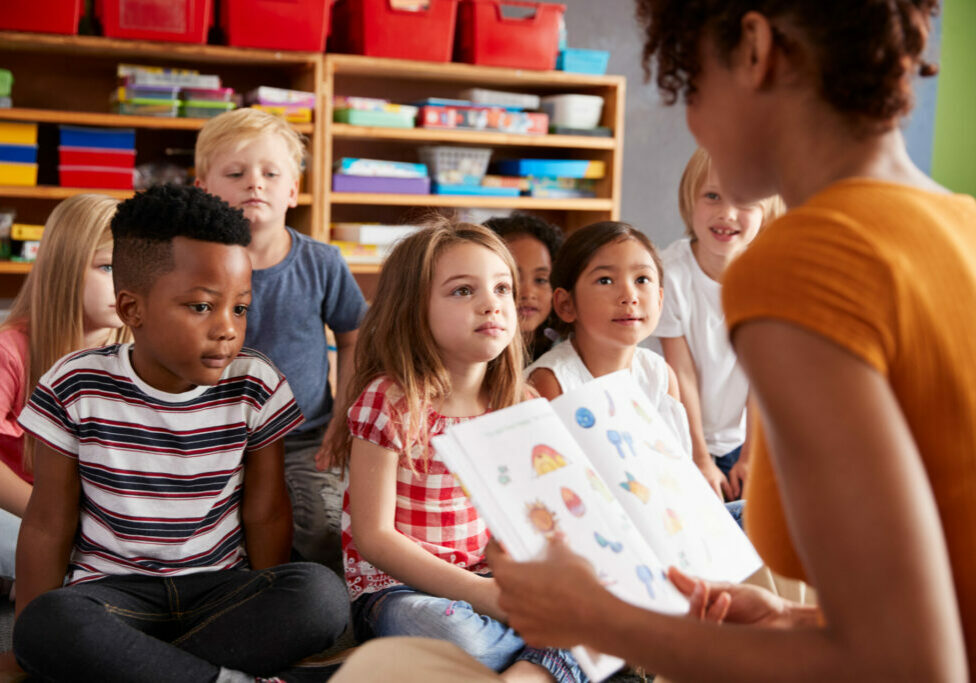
{"points": [[291, 303]]}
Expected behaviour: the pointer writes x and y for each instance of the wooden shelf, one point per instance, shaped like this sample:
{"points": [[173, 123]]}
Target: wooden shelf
{"points": [[376, 67], [363, 268], [57, 192], [464, 201], [100, 46], [85, 118], [470, 137], [15, 267]]}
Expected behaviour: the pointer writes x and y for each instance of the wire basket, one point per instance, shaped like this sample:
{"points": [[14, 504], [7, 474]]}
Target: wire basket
{"points": [[456, 165]]}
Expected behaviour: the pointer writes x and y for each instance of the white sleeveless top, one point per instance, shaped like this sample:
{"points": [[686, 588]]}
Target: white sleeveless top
{"points": [[648, 369]]}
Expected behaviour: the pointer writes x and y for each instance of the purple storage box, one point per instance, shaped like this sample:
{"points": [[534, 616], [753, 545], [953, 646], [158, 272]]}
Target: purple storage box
{"points": [[379, 185]]}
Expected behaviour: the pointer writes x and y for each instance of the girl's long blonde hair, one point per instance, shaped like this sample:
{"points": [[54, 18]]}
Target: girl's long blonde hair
{"points": [[395, 340], [50, 303]]}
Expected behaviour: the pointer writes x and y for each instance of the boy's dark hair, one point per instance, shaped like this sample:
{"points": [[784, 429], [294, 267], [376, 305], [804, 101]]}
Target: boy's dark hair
{"points": [[866, 51], [578, 251], [520, 223], [144, 226]]}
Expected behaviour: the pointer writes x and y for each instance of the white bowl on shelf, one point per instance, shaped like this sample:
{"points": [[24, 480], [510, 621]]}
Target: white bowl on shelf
{"points": [[573, 111]]}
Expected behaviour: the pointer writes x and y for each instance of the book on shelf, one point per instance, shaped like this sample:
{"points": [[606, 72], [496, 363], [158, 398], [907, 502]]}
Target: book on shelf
{"points": [[599, 466]]}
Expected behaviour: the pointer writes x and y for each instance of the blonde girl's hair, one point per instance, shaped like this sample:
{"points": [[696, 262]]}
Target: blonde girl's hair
{"points": [[696, 171], [395, 340], [238, 127], [51, 302]]}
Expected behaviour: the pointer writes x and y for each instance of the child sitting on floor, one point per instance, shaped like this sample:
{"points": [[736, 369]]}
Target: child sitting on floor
{"points": [[534, 243], [158, 485], [252, 160], [413, 544]]}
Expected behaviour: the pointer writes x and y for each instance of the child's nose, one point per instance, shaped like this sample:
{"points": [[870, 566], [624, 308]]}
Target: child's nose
{"points": [[225, 327], [629, 294]]}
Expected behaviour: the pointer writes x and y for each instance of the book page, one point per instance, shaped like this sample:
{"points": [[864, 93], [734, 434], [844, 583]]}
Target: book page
{"points": [[660, 487], [529, 480]]}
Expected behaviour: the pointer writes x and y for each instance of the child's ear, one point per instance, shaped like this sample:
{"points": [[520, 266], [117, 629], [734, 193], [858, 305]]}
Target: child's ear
{"points": [[129, 308], [198, 182], [293, 194], [562, 304]]}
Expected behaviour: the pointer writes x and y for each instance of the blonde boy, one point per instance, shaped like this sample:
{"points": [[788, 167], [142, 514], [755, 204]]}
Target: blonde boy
{"points": [[253, 161]]}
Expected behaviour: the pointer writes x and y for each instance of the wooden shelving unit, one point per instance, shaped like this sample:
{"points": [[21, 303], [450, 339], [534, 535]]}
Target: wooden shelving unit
{"points": [[407, 81], [68, 79]]}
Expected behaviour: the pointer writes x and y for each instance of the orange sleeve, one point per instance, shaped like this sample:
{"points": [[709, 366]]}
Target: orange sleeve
{"points": [[812, 268]]}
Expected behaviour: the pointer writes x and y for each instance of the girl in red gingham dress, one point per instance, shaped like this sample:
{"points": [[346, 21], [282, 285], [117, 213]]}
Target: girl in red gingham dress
{"points": [[439, 345]]}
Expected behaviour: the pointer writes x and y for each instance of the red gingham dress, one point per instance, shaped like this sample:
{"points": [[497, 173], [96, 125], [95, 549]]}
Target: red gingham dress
{"points": [[431, 510]]}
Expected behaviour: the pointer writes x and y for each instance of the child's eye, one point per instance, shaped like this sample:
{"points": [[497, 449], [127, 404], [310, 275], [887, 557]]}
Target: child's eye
{"points": [[200, 308], [504, 288], [542, 280], [605, 280], [240, 310], [105, 267], [464, 290], [272, 174], [643, 280], [712, 195], [235, 174]]}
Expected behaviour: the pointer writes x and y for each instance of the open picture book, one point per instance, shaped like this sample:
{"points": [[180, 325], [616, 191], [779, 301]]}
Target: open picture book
{"points": [[600, 466]]}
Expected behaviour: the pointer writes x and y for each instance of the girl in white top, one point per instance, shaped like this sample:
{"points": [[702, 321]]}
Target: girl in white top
{"points": [[714, 390], [607, 292]]}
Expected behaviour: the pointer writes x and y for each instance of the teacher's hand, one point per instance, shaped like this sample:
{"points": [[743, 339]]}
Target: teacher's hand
{"points": [[551, 602]]}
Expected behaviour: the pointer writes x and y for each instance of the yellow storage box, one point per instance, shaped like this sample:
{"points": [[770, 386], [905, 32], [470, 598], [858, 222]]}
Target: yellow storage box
{"points": [[25, 232], [18, 133], [18, 174]]}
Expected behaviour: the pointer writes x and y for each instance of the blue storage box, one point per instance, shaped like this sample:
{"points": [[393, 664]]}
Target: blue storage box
{"points": [[479, 190], [582, 61], [18, 154], [112, 138], [551, 168]]}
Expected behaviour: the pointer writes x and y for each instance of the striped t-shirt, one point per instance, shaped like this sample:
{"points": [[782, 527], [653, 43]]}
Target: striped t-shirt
{"points": [[161, 474]]}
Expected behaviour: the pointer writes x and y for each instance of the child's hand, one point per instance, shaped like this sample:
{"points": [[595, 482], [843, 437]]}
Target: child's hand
{"points": [[737, 478], [324, 456], [713, 475]]}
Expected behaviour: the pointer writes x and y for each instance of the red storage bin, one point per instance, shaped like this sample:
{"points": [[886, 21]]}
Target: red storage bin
{"points": [[99, 177], [276, 24], [377, 29], [486, 36], [43, 16], [96, 156], [177, 21]]}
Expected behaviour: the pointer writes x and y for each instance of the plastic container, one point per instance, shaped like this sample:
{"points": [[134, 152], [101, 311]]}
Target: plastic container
{"points": [[6, 82], [457, 165], [42, 16], [18, 133], [552, 168], [82, 136], [101, 177], [178, 21], [377, 29], [90, 156], [276, 24], [148, 106], [475, 190], [380, 185], [280, 96], [132, 91], [501, 98], [385, 119], [288, 112], [18, 174], [486, 36], [18, 154], [207, 94], [204, 109], [379, 167], [573, 111], [581, 61]]}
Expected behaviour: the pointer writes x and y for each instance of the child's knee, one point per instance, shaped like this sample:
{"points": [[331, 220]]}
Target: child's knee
{"points": [[318, 599], [39, 625]]}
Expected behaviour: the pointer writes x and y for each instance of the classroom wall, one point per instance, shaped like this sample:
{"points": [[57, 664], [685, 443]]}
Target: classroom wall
{"points": [[954, 149], [658, 143]]}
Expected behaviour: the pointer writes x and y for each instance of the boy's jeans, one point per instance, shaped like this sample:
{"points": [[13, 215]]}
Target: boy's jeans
{"points": [[403, 611], [182, 628], [725, 463]]}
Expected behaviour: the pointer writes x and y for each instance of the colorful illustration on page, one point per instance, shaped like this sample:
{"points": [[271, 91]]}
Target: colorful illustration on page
{"points": [[585, 418], [542, 518], [597, 484], [638, 489], [573, 502], [546, 459]]}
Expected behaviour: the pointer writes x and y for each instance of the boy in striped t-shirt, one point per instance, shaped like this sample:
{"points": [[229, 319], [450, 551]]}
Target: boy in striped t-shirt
{"points": [[158, 477]]}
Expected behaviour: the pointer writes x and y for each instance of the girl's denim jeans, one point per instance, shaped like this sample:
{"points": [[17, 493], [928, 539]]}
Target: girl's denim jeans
{"points": [[403, 611], [182, 628]]}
